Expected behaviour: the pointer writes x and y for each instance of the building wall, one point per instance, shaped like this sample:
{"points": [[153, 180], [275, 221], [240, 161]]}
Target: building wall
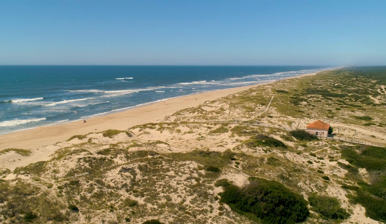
{"points": [[318, 133]]}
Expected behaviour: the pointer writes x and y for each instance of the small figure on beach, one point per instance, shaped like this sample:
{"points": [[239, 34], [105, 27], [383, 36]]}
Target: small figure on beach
{"points": [[84, 121]]}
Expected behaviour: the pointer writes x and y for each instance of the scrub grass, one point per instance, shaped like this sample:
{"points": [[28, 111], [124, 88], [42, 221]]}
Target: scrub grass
{"points": [[22, 152], [266, 201], [302, 135], [328, 207], [372, 195], [266, 141]]}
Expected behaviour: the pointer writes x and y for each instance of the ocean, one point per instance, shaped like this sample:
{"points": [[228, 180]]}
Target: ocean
{"points": [[32, 96]]}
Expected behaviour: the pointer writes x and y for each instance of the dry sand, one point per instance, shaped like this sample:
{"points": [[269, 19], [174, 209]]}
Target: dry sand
{"points": [[48, 135]]}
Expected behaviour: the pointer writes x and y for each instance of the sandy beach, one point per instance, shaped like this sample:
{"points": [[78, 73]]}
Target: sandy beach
{"points": [[47, 135]]}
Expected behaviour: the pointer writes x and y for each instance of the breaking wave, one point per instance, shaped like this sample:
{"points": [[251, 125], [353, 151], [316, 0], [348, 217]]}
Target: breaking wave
{"points": [[18, 122], [21, 100], [66, 101], [86, 91], [201, 82], [125, 78]]}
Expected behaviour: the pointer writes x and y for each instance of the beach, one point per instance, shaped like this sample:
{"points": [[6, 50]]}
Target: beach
{"points": [[38, 137]]}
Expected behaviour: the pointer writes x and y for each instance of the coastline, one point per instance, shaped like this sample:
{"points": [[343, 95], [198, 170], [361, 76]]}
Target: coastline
{"points": [[35, 138]]}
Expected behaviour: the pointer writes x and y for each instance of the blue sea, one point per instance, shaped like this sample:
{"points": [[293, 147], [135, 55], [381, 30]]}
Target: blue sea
{"points": [[32, 96]]}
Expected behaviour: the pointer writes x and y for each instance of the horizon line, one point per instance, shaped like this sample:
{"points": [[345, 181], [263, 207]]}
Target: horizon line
{"points": [[168, 65]]}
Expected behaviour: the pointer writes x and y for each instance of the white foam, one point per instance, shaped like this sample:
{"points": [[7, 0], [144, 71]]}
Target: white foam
{"points": [[91, 104], [87, 91], [26, 100], [112, 93], [287, 73], [125, 78], [66, 101], [201, 82], [18, 122]]}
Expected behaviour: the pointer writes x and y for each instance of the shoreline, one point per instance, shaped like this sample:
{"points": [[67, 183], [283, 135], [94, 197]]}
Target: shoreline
{"points": [[36, 137]]}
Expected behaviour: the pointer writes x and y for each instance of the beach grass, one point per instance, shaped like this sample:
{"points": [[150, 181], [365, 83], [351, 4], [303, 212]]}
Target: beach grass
{"points": [[22, 152], [328, 207]]}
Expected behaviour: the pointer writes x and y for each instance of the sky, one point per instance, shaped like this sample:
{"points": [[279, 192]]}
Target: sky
{"points": [[193, 32]]}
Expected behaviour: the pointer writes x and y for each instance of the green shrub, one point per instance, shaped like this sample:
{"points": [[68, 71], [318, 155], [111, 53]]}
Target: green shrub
{"points": [[34, 168], [213, 169], [29, 217], [281, 91], [205, 158], [265, 200], [369, 157], [153, 221], [273, 161], [80, 137], [364, 118], [375, 205], [111, 133], [242, 130], [302, 135], [327, 207], [263, 140], [371, 196], [22, 152], [219, 130], [73, 208], [222, 183], [130, 202]]}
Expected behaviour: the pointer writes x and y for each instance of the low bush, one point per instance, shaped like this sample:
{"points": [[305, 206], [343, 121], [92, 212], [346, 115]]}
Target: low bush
{"points": [[111, 133], [29, 217], [364, 118], [302, 135], [73, 208], [369, 157], [80, 137], [281, 91], [219, 130], [153, 221], [205, 158], [34, 168], [268, 201], [222, 183], [130, 202], [22, 152], [371, 196], [213, 169], [327, 207], [263, 140]]}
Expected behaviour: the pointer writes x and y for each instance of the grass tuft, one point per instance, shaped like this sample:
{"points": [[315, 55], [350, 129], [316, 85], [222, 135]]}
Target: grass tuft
{"points": [[268, 201], [302, 135], [22, 152], [263, 140], [328, 207]]}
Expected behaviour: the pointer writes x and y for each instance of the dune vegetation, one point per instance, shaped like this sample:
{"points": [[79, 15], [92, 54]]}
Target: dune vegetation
{"points": [[230, 160]]}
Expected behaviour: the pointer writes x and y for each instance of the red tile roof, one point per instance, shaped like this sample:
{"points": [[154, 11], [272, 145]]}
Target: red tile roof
{"points": [[318, 125]]}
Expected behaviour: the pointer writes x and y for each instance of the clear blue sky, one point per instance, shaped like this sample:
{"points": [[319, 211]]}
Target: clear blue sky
{"points": [[194, 32]]}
